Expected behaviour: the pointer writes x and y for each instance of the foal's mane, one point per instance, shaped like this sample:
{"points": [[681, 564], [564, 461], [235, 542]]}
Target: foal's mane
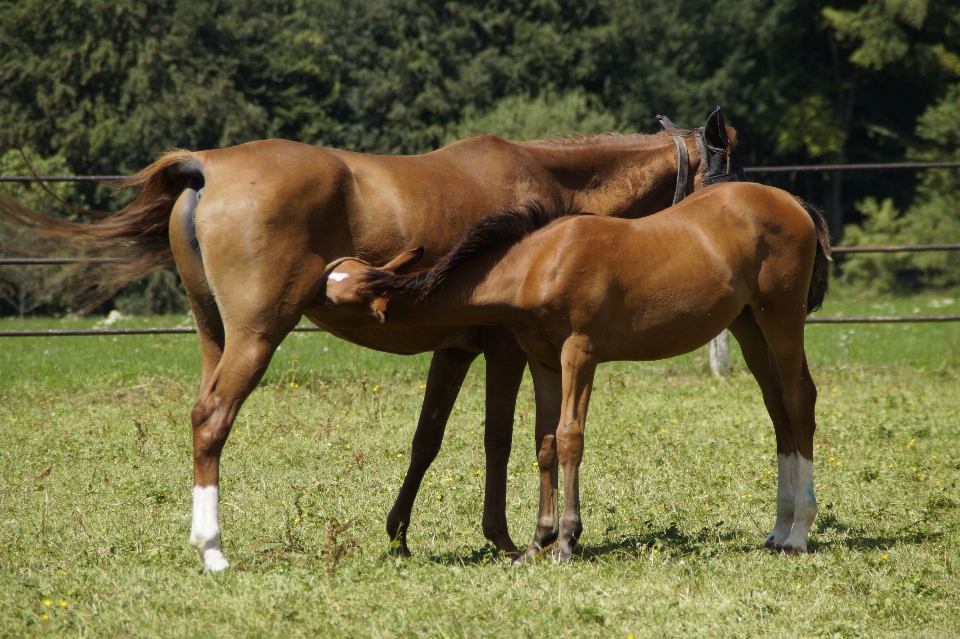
{"points": [[507, 227]]}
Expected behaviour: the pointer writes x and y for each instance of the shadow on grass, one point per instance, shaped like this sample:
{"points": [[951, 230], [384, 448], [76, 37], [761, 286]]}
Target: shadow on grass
{"points": [[671, 541], [857, 538], [710, 541]]}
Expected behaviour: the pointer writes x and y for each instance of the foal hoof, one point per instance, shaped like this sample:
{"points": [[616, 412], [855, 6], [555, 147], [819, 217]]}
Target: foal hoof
{"points": [[534, 551], [398, 549], [771, 543]]}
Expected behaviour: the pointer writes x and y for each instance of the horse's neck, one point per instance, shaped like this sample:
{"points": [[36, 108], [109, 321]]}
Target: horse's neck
{"points": [[628, 176]]}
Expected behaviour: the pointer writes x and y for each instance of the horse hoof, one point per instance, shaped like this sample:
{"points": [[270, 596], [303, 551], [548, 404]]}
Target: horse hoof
{"points": [[399, 550], [793, 551], [214, 561], [771, 543]]}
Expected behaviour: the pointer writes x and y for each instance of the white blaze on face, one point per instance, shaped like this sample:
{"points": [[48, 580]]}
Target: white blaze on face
{"points": [[805, 504], [205, 530], [339, 277]]}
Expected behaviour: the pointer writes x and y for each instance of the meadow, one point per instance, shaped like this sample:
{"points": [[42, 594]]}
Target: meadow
{"points": [[678, 488]]}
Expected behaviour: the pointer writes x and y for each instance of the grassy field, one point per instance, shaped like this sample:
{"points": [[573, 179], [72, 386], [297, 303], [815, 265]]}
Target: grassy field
{"points": [[678, 492]]}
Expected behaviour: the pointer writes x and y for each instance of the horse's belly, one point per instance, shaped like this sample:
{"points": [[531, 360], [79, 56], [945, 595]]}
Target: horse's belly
{"points": [[392, 338]]}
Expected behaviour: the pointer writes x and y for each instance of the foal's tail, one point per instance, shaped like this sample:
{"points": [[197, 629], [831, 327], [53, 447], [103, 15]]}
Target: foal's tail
{"points": [[821, 264], [137, 235]]}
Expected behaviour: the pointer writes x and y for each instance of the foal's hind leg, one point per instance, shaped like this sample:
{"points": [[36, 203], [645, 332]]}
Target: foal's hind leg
{"points": [[547, 386], [760, 361], [783, 331]]}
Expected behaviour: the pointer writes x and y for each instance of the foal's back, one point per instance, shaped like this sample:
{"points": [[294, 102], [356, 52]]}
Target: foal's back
{"points": [[664, 285]]}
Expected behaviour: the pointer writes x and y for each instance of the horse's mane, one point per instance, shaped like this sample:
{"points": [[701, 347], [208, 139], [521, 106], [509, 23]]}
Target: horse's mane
{"points": [[509, 226], [607, 139]]}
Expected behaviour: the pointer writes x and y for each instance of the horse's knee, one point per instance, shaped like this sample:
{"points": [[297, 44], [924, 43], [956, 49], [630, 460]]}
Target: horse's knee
{"points": [[569, 444], [547, 454]]}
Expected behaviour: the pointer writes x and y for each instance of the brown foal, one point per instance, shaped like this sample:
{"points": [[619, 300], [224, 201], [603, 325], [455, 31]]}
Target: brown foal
{"points": [[585, 289], [253, 228]]}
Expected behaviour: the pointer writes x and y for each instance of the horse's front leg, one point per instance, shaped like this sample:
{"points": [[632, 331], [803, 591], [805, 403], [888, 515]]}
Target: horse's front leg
{"points": [[578, 368], [505, 363], [547, 390], [448, 368]]}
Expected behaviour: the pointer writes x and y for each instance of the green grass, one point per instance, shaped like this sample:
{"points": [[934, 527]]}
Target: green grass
{"points": [[678, 492]]}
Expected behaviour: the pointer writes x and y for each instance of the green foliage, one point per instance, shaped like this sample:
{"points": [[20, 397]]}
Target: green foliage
{"points": [[161, 292], [811, 125], [878, 27], [525, 118], [23, 288]]}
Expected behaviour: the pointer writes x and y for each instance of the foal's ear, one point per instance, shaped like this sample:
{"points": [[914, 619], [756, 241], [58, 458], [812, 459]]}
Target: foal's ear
{"points": [[715, 133], [405, 259]]}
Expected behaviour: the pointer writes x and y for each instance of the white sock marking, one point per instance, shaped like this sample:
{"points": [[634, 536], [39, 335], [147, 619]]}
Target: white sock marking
{"points": [[205, 530], [805, 504], [785, 499]]}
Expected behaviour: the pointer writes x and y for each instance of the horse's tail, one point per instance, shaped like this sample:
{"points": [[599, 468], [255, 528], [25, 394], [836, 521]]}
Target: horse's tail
{"points": [[137, 235], [821, 264]]}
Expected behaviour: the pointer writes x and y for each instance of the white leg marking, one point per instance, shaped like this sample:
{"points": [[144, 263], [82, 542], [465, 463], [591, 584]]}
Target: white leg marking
{"points": [[805, 505], [786, 496], [205, 530]]}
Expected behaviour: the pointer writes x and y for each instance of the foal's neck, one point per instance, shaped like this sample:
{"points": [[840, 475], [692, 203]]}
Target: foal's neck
{"points": [[622, 176]]}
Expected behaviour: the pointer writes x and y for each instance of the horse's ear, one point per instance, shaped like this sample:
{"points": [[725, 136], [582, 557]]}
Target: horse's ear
{"points": [[666, 124], [715, 133], [405, 259]]}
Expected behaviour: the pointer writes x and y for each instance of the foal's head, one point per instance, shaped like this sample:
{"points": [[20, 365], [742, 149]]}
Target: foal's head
{"points": [[347, 278]]}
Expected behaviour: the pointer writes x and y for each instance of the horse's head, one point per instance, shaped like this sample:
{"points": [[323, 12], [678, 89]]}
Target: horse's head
{"points": [[719, 161], [347, 277]]}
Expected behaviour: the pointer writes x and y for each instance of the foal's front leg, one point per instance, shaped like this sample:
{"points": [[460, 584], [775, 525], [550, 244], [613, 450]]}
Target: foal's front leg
{"points": [[578, 368]]}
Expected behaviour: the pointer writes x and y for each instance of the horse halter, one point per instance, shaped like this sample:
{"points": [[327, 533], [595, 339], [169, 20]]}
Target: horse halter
{"points": [[716, 164]]}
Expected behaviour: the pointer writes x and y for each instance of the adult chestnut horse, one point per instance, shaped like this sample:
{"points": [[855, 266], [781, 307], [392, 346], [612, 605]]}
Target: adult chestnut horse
{"points": [[585, 290], [252, 229]]}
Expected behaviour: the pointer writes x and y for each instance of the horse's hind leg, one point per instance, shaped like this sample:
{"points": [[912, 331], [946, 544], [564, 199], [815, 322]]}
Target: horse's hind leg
{"points": [[783, 334], [448, 368]]}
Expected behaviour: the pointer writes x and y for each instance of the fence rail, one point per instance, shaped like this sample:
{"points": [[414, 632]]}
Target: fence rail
{"points": [[24, 261], [172, 330], [870, 166]]}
